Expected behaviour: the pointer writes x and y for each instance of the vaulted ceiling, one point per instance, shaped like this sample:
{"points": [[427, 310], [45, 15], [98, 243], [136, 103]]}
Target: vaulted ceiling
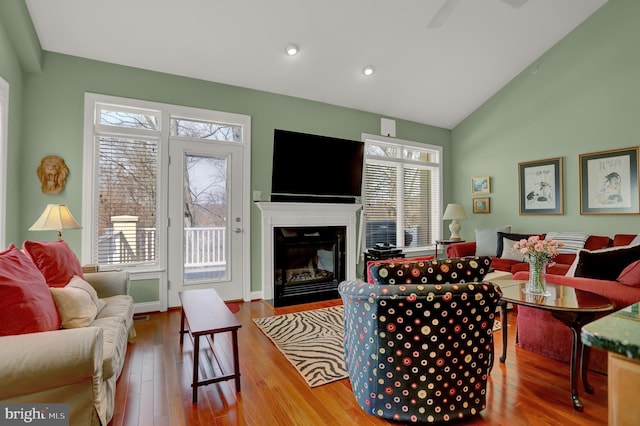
{"points": [[434, 61]]}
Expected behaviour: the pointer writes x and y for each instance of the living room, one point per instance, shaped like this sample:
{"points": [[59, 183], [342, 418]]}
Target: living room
{"points": [[580, 100], [579, 97]]}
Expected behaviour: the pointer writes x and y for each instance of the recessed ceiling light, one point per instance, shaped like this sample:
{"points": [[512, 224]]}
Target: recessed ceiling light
{"points": [[368, 70], [291, 49]]}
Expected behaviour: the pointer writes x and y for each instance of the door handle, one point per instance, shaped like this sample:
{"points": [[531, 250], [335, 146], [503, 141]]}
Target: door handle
{"points": [[237, 230]]}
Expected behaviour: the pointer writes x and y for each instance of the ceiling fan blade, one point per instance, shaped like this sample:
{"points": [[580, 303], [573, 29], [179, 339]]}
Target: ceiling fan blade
{"points": [[443, 13], [517, 4]]}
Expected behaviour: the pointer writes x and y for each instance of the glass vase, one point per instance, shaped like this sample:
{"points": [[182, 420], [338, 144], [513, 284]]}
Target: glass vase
{"points": [[537, 277]]}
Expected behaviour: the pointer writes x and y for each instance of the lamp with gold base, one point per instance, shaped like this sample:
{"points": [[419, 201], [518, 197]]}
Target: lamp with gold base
{"points": [[55, 217]]}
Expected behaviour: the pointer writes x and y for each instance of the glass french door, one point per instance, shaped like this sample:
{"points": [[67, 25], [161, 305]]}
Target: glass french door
{"points": [[206, 235]]}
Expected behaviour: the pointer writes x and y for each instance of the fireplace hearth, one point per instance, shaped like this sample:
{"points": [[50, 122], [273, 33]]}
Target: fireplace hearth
{"points": [[309, 263], [318, 265]]}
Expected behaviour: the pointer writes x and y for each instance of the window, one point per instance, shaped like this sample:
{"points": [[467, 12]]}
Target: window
{"points": [[126, 163], [126, 143], [402, 192], [207, 130], [4, 124]]}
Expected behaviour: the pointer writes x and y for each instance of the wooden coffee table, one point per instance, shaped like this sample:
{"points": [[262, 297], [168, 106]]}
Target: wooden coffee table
{"points": [[206, 314], [572, 307]]}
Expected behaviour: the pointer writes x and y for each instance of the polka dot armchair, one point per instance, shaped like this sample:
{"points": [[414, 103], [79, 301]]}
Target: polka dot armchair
{"points": [[418, 341]]}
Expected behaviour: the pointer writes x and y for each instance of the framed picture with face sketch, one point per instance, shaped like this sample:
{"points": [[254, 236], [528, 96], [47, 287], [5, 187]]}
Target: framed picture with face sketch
{"points": [[540, 187], [609, 182]]}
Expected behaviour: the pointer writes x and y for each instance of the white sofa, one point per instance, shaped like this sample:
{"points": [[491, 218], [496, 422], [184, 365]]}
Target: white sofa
{"points": [[77, 366]]}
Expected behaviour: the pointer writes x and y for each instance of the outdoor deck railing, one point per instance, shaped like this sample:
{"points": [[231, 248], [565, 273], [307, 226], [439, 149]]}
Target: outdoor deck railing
{"points": [[203, 246]]}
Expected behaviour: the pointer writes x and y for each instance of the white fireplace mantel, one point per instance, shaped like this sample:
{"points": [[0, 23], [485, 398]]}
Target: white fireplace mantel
{"points": [[278, 215]]}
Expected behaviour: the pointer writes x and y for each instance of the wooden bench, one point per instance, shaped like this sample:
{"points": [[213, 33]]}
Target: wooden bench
{"points": [[206, 315]]}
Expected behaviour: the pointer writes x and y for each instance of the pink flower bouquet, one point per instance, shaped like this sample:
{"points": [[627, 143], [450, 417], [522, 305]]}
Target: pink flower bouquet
{"points": [[538, 253], [538, 250]]}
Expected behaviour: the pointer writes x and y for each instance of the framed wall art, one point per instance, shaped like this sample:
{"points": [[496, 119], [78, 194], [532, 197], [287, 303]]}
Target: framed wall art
{"points": [[540, 187], [481, 185], [609, 182], [481, 205]]}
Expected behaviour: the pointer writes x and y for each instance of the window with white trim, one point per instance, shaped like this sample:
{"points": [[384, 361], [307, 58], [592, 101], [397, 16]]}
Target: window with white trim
{"points": [[402, 192], [126, 171], [4, 141], [126, 142]]}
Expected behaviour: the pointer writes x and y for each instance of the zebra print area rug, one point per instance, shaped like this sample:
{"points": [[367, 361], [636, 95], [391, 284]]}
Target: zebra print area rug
{"points": [[311, 341]]}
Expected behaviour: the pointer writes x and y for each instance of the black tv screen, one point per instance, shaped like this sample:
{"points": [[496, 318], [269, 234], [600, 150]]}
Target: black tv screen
{"points": [[313, 168]]}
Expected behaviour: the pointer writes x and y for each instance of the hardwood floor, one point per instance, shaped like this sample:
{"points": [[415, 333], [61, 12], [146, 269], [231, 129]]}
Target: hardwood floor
{"points": [[155, 386]]}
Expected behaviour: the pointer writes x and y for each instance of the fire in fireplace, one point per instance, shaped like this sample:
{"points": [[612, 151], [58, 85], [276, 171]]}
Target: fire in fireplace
{"points": [[309, 263]]}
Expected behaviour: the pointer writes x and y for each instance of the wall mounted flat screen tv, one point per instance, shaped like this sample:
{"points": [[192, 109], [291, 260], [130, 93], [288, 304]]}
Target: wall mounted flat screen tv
{"points": [[311, 168]]}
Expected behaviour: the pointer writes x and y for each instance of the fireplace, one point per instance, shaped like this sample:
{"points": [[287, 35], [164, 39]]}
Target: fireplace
{"points": [[308, 263], [307, 250]]}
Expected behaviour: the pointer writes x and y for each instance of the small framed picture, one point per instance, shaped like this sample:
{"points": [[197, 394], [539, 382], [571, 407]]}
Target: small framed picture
{"points": [[540, 187], [481, 205], [481, 185], [609, 182]]}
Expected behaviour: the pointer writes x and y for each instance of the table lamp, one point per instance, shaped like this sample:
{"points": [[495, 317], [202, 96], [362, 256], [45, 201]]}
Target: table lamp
{"points": [[454, 212], [55, 217]]}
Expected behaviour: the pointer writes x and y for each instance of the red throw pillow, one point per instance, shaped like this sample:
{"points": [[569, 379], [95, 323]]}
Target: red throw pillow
{"points": [[55, 259], [26, 304], [631, 274]]}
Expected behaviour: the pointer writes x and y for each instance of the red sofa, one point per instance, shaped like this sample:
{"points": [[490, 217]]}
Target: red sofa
{"points": [[538, 331], [560, 265]]}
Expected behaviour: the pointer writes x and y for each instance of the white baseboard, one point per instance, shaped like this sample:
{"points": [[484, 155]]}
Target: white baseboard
{"points": [[139, 308], [144, 307]]}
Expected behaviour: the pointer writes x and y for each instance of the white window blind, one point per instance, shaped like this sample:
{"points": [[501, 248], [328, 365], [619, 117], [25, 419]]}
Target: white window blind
{"points": [[402, 193], [127, 182]]}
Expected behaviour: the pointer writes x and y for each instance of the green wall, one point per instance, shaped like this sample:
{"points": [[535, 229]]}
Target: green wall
{"points": [[144, 290], [53, 100], [581, 96], [11, 72]]}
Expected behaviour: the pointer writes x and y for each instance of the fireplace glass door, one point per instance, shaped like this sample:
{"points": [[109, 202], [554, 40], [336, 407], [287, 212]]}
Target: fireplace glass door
{"points": [[309, 263]]}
